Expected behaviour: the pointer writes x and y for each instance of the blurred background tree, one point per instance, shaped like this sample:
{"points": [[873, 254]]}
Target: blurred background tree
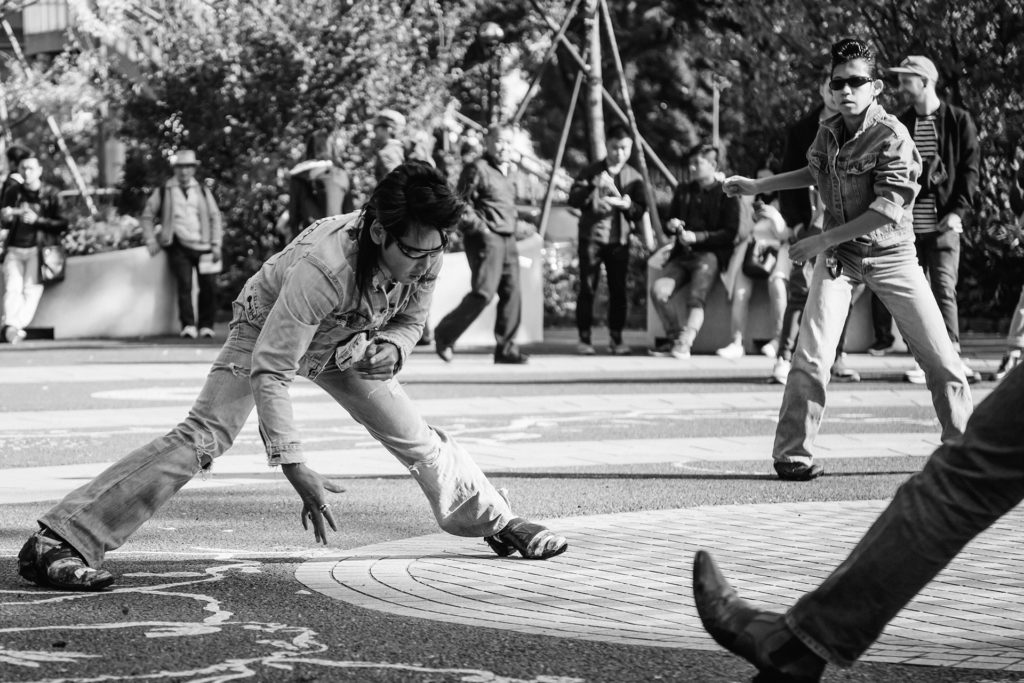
{"points": [[245, 84]]}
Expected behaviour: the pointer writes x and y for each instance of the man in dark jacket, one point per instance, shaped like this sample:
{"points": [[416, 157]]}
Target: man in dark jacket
{"points": [[947, 139], [704, 223], [488, 229], [31, 212], [610, 196]]}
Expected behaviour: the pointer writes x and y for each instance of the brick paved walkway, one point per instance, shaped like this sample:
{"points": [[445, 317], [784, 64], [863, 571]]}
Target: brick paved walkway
{"points": [[626, 579]]}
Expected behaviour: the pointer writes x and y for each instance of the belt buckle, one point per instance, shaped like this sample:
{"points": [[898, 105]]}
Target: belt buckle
{"points": [[835, 268]]}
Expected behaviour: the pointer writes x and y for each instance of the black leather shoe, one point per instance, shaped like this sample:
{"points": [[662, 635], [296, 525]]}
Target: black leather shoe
{"points": [[531, 540], [518, 358], [47, 560], [758, 636], [444, 351], [798, 471]]}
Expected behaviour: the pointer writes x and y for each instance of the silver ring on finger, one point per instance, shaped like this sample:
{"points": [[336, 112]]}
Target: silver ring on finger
{"points": [[323, 508]]}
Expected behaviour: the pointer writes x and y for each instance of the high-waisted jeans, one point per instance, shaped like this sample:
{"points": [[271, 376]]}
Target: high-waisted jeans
{"points": [[894, 275], [102, 514], [966, 485]]}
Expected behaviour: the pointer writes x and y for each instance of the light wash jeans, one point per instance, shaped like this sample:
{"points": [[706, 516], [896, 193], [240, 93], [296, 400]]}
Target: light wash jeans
{"points": [[966, 485], [102, 514], [22, 289], [891, 272]]}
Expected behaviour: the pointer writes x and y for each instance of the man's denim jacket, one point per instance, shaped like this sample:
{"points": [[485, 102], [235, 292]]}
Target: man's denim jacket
{"points": [[876, 169], [305, 302]]}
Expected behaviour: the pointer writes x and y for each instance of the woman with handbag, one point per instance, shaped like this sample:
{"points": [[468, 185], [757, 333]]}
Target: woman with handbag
{"points": [[30, 212], [761, 254]]}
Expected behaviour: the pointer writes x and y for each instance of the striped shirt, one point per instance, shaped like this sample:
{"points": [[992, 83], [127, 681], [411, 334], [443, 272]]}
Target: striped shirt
{"points": [[926, 138]]}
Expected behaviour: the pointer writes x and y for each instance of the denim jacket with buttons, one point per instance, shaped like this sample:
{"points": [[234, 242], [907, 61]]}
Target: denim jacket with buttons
{"points": [[876, 169], [305, 302]]}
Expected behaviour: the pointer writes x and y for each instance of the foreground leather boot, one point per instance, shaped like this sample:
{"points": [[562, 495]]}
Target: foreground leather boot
{"points": [[532, 541], [760, 637], [47, 560]]}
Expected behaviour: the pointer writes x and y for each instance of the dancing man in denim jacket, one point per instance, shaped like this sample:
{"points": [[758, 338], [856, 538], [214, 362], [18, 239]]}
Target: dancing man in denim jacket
{"points": [[342, 305]]}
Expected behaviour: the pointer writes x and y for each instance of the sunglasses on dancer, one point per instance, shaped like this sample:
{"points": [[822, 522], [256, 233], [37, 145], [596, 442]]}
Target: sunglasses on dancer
{"points": [[853, 81], [416, 253]]}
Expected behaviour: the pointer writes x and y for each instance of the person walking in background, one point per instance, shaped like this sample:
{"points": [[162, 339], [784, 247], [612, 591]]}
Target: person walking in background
{"points": [[388, 150], [30, 212], [947, 139], [612, 202], [704, 223], [182, 218], [488, 228], [341, 305], [1015, 335], [805, 214], [319, 186], [868, 237], [965, 486], [15, 154]]}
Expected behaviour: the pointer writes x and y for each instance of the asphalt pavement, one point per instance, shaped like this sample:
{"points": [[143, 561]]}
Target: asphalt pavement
{"points": [[639, 461]]}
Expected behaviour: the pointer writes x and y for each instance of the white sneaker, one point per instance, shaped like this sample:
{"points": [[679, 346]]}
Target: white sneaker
{"points": [[970, 373], [915, 375], [13, 335], [1011, 359], [585, 349], [780, 373], [732, 351], [189, 331], [771, 349], [619, 349], [680, 350], [206, 332]]}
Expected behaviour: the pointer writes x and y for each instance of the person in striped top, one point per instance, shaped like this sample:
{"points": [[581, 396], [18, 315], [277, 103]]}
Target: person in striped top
{"points": [[947, 140]]}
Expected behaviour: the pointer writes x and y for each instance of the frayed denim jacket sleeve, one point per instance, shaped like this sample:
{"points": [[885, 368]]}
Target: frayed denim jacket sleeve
{"points": [[895, 177], [307, 296]]}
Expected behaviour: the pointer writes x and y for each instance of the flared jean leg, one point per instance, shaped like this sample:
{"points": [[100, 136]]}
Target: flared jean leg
{"points": [[967, 484], [463, 500], [102, 514]]}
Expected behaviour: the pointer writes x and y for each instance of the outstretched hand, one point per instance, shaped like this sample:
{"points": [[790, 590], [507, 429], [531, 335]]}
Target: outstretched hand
{"points": [[739, 185], [310, 486]]}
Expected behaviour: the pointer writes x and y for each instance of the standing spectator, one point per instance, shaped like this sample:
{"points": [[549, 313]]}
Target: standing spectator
{"points": [[865, 165], [488, 228], [1015, 335], [189, 229], [388, 150], [805, 215], [30, 209], [704, 222], [342, 305], [15, 155], [610, 196], [319, 186], [947, 139]]}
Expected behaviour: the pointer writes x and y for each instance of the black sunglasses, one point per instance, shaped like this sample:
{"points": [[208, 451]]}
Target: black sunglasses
{"points": [[417, 253], [853, 81]]}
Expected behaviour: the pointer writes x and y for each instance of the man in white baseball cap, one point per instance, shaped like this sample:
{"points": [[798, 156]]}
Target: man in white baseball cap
{"points": [[947, 139]]}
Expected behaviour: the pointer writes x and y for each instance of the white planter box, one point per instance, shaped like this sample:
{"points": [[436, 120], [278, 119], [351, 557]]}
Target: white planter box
{"points": [[123, 293]]}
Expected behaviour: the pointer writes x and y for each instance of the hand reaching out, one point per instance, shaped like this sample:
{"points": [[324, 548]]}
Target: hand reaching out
{"points": [[310, 486]]}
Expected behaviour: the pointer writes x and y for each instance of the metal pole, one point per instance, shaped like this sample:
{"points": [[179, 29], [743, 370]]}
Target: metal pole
{"points": [[652, 202], [76, 174], [545, 212]]}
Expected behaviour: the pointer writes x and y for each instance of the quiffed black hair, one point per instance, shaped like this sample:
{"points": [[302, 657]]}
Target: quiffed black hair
{"points": [[18, 153], [414, 196], [849, 49], [703, 149], [617, 132]]}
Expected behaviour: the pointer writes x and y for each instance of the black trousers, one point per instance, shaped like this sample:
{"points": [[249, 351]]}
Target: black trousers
{"points": [[184, 262], [494, 270], [615, 258]]}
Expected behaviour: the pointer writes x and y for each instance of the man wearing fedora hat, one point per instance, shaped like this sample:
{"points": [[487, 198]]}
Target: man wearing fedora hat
{"points": [[947, 139], [182, 218]]}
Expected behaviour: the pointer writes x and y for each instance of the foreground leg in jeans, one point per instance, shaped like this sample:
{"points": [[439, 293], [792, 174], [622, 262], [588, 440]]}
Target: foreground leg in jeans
{"points": [[102, 515], [966, 485]]}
